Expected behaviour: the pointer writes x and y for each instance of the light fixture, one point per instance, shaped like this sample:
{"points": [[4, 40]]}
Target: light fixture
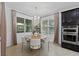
{"points": [[36, 8]]}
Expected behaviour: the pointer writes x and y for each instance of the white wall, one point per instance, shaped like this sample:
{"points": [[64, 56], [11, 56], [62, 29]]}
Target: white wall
{"points": [[9, 26]]}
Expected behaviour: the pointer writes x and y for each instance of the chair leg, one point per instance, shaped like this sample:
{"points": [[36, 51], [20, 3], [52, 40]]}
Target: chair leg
{"points": [[22, 46], [48, 46]]}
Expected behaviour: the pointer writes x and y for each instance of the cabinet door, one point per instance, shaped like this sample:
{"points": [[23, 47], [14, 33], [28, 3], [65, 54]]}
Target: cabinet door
{"points": [[69, 17], [77, 16], [64, 18], [72, 17]]}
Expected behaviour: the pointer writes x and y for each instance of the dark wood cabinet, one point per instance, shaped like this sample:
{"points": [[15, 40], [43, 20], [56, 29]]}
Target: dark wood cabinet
{"points": [[77, 16], [70, 46], [69, 17]]}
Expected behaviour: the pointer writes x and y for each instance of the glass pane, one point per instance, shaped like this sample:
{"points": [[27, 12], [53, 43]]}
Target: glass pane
{"points": [[28, 25], [20, 29], [28, 29], [20, 25], [45, 23], [51, 30], [45, 30], [51, 22]]}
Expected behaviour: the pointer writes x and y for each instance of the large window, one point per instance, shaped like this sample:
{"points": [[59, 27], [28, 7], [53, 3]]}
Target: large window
{"points": [[20, 25], [51, 26], [48, 26], [24, 25], [28, 24], [45, 26]]}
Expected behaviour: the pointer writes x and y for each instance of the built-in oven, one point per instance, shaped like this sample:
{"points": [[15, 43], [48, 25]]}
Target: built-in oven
{"points": [[70, 34]]}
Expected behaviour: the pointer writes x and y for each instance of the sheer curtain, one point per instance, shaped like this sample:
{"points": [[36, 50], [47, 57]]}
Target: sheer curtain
{"points": [[56, 22]]}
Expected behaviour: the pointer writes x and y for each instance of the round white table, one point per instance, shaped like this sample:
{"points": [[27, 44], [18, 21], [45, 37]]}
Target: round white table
{"points": [[35, 43]]}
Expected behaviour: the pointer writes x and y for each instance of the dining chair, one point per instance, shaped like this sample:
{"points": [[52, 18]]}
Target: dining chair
{"points": [[25, 42]]}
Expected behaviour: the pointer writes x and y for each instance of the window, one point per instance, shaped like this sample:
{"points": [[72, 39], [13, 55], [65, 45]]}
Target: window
{"points": [[20, 25], [51, 26], [45, 26], [24, 25], [48, 26], [28, 25]]}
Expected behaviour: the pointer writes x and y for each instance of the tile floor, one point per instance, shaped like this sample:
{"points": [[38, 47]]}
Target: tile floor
{"points": [[51, 50]]}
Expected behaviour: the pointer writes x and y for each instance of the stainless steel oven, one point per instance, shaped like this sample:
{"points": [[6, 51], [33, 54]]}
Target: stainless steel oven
{"points": [[70, 34]]}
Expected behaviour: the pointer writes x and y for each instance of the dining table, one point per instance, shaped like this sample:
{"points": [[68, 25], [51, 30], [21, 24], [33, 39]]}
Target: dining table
{"points": [[27, 39]]}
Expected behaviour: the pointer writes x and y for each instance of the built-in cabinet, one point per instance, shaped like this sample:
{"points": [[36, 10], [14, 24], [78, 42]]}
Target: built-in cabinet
{"points": [[70, 29], [70, 17], [77, 16]]}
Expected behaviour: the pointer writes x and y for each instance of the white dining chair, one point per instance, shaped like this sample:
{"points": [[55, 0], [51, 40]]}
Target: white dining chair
{"points": [[25, 42]]}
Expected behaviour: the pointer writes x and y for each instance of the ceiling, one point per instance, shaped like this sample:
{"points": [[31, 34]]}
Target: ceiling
{"points": [[41, 8]]}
